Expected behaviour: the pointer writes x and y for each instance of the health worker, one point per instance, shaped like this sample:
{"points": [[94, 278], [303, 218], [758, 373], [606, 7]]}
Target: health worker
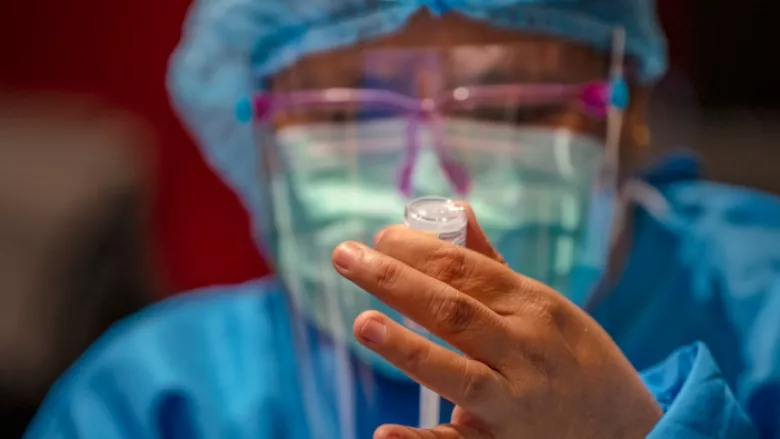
{"points": [[580, 265]]}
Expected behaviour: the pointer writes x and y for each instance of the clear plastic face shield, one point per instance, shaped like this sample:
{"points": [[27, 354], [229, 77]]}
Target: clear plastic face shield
{"points": [[533, 149]]}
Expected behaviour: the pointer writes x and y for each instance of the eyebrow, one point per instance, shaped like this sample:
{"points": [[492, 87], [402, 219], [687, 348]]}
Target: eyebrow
{"points": [[503, 75], [350, 74], [493, 76]]}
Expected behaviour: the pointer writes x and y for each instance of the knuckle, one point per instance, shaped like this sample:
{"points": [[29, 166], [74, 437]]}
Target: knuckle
{"points": [[526, 285], [476, 387], [387, 274], [454, 314], [394, 234], [415, 357], [552, 313], [544, 309], [538, 358], [447, 263]]}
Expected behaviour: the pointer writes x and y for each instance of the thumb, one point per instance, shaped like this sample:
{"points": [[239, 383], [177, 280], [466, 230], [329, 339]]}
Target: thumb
{"points": [[446, 431], [476, 239]]}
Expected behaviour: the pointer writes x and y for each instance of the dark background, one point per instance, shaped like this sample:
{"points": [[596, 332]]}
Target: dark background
{"points": [[733, 53], [721, 97], [735, 73]]}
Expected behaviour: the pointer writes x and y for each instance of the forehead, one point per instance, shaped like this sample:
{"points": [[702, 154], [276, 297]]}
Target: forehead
{"points": [[470, 51]]}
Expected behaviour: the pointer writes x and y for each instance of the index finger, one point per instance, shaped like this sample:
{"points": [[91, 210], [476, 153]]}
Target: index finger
{"points": [[481, 277], [476, 239], [447, 431]]}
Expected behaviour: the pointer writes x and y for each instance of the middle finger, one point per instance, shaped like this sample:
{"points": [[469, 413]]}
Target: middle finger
{"points": [[479, 276], [468, 383]]}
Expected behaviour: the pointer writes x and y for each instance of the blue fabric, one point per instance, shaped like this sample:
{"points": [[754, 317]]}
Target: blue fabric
{"points": [[696, 400], [214, 364], [202, 366], [217, 365], [676, 167], [712, 273]]}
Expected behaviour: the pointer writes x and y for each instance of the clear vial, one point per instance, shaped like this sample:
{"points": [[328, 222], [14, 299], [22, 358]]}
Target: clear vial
{"points": [[442, 218], [438, 216]]}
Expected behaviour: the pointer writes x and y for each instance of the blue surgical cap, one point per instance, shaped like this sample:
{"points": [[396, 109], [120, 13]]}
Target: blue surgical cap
{"points": [[229, 45]]}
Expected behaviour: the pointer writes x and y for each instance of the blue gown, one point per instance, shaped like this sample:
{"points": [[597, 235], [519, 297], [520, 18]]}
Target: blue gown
{"points": [[697, 308]]}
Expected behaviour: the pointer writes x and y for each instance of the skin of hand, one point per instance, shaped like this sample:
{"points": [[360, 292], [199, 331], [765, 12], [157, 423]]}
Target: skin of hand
{"points": [[534, 365]]}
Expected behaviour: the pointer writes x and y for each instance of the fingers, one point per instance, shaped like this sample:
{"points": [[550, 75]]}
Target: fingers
{"points": [[465, 382], [480, 277], [447, 431], [476, 239], [456, 317]]}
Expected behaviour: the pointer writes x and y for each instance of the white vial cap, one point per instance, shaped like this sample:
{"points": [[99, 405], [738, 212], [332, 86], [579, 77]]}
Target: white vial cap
{"points": [[434, 214]]}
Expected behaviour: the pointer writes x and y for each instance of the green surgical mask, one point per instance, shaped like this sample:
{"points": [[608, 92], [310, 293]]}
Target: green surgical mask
{"points": [[532, 189]]}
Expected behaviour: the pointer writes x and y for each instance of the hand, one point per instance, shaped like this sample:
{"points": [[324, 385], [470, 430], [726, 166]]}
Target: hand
{"points": [[536, 366]]}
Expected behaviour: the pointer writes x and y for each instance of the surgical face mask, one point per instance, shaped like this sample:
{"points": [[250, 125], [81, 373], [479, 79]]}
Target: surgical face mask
{"points": [[532, 189]]}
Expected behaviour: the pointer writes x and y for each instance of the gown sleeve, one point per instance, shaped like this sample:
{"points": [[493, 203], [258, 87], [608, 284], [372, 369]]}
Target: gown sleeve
{"points": [[696, 399]]}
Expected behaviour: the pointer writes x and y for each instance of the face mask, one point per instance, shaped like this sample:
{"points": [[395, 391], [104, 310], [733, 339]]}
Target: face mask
{"points": [[532, 189]]}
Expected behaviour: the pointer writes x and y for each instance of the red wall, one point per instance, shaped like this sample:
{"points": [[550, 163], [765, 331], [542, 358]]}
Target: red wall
{"points": [[119, 50]]}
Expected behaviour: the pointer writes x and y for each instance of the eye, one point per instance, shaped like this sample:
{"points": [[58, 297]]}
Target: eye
{"points": [[519, 115], [340, 116], [535, 115]]}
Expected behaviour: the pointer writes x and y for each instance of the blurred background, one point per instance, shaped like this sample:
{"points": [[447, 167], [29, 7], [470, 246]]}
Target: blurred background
{"points": [[720, 97], [120, 210]]}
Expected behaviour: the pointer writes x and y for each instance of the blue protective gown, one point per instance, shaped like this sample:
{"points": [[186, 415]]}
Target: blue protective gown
{"points": [[698, 309]]}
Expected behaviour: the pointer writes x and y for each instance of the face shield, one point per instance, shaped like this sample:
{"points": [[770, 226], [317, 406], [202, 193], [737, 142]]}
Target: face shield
{"points": [[522, 132]]}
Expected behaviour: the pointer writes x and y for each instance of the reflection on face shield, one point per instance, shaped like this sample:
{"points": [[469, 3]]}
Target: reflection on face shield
{"points": [[322, 183], [531, 189]]}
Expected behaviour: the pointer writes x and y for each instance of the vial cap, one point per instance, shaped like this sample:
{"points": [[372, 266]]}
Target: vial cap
{"points": [[434, 214]]}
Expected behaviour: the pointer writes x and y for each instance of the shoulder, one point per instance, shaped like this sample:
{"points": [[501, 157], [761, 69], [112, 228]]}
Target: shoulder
{"points": [[732, 204], [207, 351], [704, 268], [734, 230], [193, 317]]}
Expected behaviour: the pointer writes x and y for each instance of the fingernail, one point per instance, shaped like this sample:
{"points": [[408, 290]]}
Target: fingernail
{"points": [[347, 255], [385, 432], [378, 236], [373, 331]]}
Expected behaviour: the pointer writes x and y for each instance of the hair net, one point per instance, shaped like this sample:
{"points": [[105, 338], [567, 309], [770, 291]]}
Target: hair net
{"points": [[229, 45]]}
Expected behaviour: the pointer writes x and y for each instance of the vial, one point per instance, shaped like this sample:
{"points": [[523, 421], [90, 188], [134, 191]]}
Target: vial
{"points": [[438, 216], [442, 218]]}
